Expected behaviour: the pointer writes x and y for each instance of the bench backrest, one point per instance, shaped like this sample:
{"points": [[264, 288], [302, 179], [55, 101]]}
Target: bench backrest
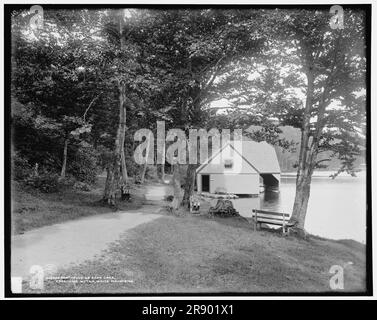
{"points": [[270, 217]]}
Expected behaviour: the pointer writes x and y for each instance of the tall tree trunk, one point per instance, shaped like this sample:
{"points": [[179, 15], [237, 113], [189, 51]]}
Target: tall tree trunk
{"points": [[146, 161], [123, 120], [305, 165], [65, 151], [144, 170], [124, 178], [177, 193], [106, 192], [114, 181], [163, 172], [163, 164], [124, 168], [191, 169], [117, 168], [301, 199], [189, 185], [122, 105]]}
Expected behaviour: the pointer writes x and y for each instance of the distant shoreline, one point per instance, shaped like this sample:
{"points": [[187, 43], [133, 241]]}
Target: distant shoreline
{"points": [[324, 174]]}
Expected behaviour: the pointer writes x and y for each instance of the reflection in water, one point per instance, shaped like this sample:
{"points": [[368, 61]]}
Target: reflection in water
{"points": [[271, 200], [337, 208]]}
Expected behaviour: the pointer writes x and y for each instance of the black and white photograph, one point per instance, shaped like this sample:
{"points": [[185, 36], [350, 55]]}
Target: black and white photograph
{"points": [[187, 150]]}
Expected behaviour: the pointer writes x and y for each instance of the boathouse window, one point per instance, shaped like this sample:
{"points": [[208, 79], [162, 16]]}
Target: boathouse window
{"points": [[228, 164]]}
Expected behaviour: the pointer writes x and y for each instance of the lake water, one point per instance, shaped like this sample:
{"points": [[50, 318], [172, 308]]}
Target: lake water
{"points": [[336, 210]]}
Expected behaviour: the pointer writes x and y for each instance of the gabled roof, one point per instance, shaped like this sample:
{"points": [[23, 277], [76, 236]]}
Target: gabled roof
{"points": [[260, 155]]}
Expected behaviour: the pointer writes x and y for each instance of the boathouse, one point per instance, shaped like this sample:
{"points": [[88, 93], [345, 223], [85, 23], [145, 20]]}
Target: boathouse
{"points": [[240, 167]]}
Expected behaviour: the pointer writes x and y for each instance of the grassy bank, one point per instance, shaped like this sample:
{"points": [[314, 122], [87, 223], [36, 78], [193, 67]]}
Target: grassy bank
{"points": [[198, 254], [33, 209]]}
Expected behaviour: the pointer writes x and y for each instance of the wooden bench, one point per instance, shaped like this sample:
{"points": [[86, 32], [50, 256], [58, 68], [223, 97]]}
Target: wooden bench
{"points": [[275, 218]]}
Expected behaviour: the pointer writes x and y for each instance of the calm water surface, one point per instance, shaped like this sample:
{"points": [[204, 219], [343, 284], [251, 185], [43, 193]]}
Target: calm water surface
{"points": [[337, 208]]}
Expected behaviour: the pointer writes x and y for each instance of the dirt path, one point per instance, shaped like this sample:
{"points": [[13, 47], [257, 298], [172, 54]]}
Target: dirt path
{"points": [[73, 242]]}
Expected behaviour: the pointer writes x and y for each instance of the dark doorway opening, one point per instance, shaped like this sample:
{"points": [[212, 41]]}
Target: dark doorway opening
{"points": [[205, 183], [270, 182]]}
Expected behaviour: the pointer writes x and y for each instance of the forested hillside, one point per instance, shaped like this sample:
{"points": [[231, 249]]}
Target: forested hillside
{"points": [[288, 159]]}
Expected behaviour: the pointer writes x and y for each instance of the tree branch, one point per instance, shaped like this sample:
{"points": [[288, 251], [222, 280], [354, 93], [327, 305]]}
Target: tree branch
{"points": [[90, 104], [212, 79]]}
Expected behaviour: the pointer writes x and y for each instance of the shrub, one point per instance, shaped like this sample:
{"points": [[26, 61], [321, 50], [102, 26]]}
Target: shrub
{"points": [[81, 186], [133, 169], [46, 182], [21, 167], [84, 165], [223, 208], [151, 173]]}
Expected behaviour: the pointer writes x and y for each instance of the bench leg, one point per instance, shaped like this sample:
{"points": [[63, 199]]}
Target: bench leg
{"points": [[286, 231], [284, 228], [255, 221]]}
